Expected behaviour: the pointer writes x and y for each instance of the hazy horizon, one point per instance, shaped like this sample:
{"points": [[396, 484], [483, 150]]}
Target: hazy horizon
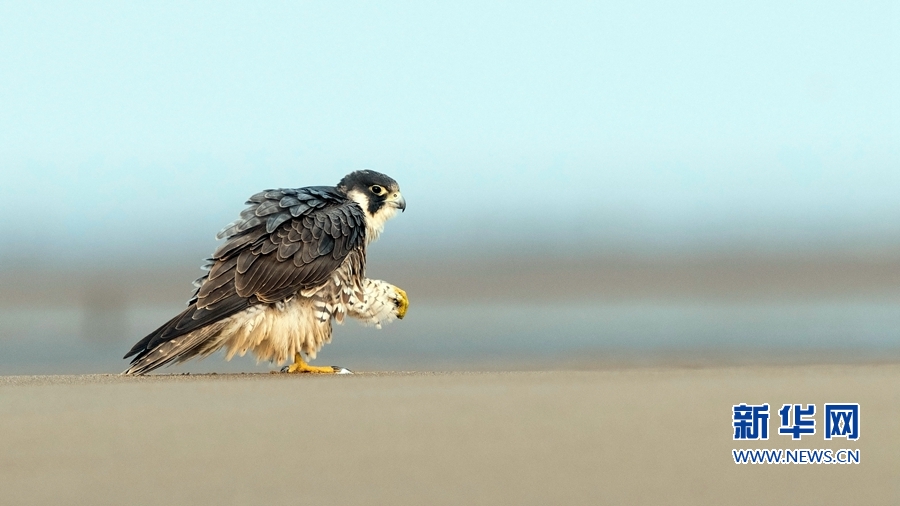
{"points": [[581, 177]]}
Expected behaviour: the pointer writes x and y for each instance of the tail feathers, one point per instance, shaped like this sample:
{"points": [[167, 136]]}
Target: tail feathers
{"points": [[176, 350], [183, 336], [165, 332]]}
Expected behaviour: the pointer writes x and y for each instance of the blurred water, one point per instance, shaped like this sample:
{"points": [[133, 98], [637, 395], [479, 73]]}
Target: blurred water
{"points": [[498, 336]]}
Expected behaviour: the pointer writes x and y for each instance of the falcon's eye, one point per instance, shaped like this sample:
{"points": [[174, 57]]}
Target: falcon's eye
{"points": [[377, 190]]}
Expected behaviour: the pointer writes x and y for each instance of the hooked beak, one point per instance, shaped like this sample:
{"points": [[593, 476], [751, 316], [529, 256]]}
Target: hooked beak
{"points": [[399, 202]]}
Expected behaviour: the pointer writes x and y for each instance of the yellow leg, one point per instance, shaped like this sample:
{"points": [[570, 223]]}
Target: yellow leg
{"points": [[402, 302], [300, 366]]}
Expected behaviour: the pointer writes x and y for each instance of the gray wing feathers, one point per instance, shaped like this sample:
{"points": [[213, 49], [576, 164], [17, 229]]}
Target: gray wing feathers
{"points": [[266, 208], [275, 220], [314, 227]]}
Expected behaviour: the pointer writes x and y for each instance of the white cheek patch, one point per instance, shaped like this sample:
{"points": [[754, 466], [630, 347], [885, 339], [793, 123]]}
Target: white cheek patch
{"points": [[374, 223], [360, 198]]}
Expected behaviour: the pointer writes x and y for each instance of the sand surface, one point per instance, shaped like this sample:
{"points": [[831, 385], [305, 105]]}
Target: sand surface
{"points": [[626, 436]]}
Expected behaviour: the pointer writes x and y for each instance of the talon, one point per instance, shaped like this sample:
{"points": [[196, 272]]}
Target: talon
{"points": [[300, 366], [402, 302]]}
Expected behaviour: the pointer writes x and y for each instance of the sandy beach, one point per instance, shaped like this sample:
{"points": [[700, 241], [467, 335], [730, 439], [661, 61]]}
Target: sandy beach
{"points": [[648, 435]]}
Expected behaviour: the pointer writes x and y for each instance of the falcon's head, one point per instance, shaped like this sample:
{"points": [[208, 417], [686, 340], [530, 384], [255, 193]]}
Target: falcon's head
{"points": [[377, 194]]}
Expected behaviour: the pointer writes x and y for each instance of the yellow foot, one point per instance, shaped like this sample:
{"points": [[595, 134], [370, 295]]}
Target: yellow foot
{"points": [[402, 302], [300, 366]]}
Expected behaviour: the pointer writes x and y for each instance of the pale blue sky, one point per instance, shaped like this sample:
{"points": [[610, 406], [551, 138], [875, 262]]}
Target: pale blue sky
{"points": [[142, 127]]}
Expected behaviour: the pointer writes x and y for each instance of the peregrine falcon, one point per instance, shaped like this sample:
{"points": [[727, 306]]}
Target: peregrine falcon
{"points": [[295, 260]]}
